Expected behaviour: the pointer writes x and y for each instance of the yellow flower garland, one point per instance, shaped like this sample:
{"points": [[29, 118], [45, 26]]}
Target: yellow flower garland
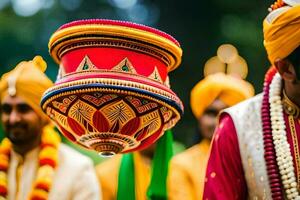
{"points": [[48, 160]]}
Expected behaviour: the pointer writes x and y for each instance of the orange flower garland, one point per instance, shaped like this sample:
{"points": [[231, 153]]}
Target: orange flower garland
{"points": [[277, 4], [48, 160], [4, 161]]}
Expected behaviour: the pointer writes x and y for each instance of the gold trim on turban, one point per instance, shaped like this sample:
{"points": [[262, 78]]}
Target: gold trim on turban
{"points": [[28, 81], [227, 88], [282, 32]]}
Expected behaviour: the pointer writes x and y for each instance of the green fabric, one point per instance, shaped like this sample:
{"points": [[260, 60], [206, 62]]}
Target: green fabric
{"points": [[126, 185], [2, 136], [160, 167], [177, 147]]}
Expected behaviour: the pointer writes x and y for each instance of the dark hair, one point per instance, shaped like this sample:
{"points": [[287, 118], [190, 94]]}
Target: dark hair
{"points": [[294, 58]]}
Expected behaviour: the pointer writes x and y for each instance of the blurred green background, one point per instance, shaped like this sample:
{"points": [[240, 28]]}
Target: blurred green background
{"points": [[200, 27]]}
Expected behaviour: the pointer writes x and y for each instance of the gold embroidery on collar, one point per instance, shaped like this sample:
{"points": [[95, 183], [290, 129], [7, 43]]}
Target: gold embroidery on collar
{"points": [[289, 107]]}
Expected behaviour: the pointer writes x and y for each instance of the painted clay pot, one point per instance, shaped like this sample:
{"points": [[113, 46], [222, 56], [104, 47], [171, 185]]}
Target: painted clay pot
{"points": [[112, 92]]}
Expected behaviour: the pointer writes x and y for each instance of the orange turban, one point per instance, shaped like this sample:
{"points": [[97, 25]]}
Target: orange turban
{"points": [[282, 32], [28, 81], [227, 88]]}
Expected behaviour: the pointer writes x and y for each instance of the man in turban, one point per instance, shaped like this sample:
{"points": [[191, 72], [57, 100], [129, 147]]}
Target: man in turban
{"points": [[33, 162], [208, 98], [255, 150]]}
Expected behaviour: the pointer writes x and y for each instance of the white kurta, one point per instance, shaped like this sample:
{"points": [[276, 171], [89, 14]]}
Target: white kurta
{"points": [[74, 178]]}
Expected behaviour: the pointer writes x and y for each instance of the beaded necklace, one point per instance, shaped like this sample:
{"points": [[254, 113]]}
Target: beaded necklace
{"points": [[277, 154]]}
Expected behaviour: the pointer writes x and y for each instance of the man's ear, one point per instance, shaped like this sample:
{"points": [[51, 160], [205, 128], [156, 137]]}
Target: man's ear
{"points": [[285, 69]]}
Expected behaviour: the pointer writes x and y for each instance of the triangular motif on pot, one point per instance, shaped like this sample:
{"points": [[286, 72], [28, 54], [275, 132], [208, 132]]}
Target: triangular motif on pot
{"points": [[155, 75], [86, 65], [124, 66], [167, 82], [61, 72]]}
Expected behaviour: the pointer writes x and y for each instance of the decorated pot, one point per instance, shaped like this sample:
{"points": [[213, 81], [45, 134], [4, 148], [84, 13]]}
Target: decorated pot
{"points": [[112, 92]]}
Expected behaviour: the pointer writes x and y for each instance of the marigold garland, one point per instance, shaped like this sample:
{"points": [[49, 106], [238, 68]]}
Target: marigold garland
{"points": [[277, 4], [48, 160]]}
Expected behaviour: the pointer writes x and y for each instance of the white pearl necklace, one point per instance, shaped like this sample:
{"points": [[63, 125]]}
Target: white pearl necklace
{"points": [[282, 148]]}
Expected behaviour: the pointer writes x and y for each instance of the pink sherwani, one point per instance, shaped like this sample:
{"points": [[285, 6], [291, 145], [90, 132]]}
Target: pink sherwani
{"points": [[236, 168]]}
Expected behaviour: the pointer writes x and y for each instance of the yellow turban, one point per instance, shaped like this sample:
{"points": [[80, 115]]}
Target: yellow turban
{"points": [[28, 81], [227, 88], [282, 32]]}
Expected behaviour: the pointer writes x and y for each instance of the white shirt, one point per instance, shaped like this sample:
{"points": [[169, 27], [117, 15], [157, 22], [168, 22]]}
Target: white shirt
{"points": [[74, 179]]}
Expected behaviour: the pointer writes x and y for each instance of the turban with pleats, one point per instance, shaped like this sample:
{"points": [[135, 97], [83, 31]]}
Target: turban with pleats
{"points": [[227, 88], [28, 81], [282, 32]]}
